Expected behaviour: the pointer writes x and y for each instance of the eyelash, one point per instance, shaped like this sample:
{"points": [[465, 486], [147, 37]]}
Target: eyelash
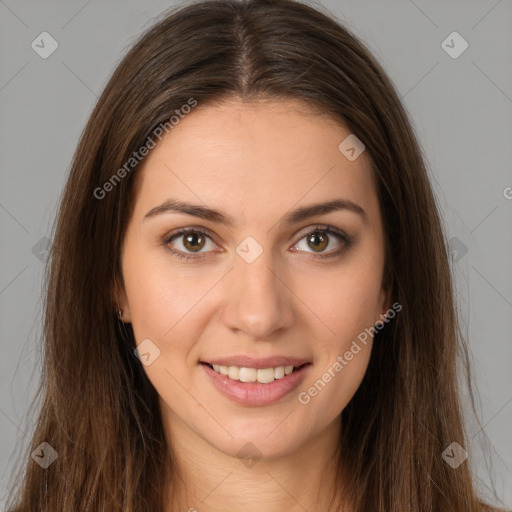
{"points": [[346, 239]]}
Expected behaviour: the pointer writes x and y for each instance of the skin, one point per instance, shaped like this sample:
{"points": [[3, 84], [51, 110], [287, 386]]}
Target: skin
{"points": [[256, 161]]}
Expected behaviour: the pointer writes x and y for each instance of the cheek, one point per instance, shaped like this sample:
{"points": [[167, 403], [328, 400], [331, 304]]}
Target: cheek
{"points": [[341, 364], [167, 306], [336, 378], [162, 309], [346, 300], [158, 299]]}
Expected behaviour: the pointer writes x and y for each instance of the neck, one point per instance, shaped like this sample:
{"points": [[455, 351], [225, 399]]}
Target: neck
{"points": [[209, 480]]}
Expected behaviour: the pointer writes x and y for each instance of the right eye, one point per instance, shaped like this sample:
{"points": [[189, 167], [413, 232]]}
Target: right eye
{"points": [[191, 240]]}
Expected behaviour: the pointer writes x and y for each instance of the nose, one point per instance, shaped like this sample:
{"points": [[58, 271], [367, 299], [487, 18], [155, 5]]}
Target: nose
{"points": [[259, 302]]}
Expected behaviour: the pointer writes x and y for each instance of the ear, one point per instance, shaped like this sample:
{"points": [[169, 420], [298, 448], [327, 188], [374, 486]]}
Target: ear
{"points": [[120, 300], [384, 305]]}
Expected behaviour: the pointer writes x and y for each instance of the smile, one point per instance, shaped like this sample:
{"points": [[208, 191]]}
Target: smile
{"points": [[261, 375], [251, 386]]}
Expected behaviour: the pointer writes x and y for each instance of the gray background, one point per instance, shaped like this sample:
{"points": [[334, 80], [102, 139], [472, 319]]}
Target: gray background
{"points": [[461, 109]]}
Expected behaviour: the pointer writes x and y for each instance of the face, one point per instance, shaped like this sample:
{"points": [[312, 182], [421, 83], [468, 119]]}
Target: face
{"points": [[251, 278]]}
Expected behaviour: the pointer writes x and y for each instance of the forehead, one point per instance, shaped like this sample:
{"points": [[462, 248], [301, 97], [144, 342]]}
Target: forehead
{"points": [[254, 159]]}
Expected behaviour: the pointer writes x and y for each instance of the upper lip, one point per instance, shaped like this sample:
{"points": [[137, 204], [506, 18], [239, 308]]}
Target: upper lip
{"points": [[253, 362]]}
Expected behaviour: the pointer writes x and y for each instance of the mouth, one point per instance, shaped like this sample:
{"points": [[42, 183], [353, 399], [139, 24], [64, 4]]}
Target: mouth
{"points": [[251, 386], [251, 375]]}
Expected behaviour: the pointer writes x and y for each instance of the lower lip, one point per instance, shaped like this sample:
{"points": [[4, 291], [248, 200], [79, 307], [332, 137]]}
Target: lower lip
{"points": [[255, 393]]}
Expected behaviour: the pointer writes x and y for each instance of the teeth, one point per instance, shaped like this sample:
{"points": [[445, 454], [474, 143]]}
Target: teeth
{"points": [[261, 375], [234, 372], [246, 374], [279, 372], [265, 375]]}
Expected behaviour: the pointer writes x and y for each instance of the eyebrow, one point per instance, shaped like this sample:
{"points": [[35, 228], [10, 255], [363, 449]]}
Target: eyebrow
{"points": [[293, 217]]}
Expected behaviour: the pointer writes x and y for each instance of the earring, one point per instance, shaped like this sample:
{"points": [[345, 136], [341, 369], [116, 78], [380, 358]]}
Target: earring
{"points": [[119, 314]]}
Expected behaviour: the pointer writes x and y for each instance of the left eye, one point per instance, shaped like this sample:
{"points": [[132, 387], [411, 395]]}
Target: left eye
{"points": [[320, 239]]}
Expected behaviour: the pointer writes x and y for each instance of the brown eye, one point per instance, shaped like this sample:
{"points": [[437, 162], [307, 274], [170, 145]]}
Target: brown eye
{"points": [[322, 241], [318, 241], [188, 243], [194, 241]]}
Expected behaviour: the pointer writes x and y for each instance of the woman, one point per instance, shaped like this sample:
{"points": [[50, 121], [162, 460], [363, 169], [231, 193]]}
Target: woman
{"points": [[249, 300]]}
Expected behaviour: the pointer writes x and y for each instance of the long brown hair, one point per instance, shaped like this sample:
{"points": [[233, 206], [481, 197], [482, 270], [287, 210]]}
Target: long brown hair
{"points": [[97, 408]]}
